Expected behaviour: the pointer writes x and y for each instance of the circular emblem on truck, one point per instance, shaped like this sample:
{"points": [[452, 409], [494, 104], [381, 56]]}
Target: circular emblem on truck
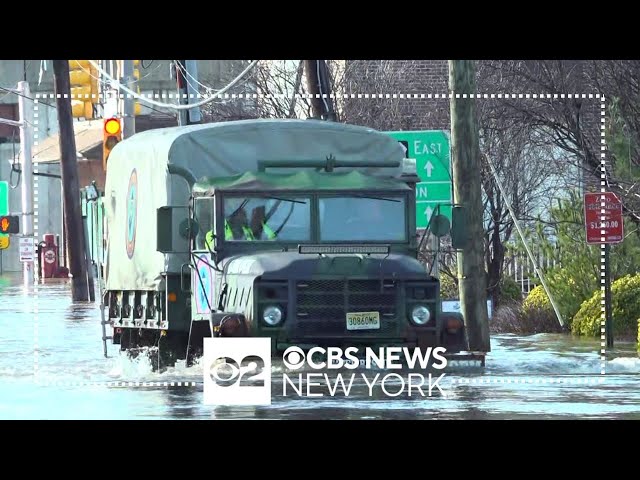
{"points": [[132, 212], [49, 256]]}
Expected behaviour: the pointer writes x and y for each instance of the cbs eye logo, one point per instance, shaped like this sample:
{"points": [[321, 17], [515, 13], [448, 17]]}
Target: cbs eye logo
{"points": [[225, 371], [293, 358]]}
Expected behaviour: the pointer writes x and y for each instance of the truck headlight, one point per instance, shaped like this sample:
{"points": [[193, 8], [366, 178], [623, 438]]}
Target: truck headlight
{"points": [[420, 315], [272, 315]]}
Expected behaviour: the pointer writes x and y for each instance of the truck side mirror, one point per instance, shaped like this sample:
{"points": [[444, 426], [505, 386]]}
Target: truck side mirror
{"points": [[164, 230], [459, 232]]}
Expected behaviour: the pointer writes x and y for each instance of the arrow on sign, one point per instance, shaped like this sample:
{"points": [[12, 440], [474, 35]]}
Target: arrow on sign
{"points": [[428, 212], [429, 168]]}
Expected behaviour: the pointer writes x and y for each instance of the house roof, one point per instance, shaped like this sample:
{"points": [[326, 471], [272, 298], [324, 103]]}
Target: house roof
{"points": [[89, 138], [88, 135]]}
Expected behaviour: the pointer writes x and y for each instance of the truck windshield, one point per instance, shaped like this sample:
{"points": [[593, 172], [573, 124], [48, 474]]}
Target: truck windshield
{"points": [[361, 218], [267, 218]]}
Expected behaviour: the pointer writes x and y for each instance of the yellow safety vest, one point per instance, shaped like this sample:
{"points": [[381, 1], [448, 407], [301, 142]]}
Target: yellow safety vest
{"points": [[248, 234], [228, 233], [208, 240], [270, 233]]}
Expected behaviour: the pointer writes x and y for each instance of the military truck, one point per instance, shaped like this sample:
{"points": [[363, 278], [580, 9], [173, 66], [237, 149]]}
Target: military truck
{"points": [[303, 231]]}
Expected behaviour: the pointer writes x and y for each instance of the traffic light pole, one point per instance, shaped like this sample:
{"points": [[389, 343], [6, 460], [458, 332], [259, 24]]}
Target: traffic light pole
{"points": [[128, 117], [25, 108]]}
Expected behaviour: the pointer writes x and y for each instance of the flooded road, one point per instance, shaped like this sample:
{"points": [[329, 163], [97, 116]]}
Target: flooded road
{"points": [[52, 367]]}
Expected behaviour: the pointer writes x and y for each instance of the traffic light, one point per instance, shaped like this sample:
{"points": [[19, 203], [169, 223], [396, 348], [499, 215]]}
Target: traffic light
{"points": [[83, 78], [112, 134], [9, 224]]}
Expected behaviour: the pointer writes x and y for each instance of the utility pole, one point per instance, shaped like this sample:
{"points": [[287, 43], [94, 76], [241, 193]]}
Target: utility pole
{"points": [[71, 189], [317, 74], [194, 115], [181, 79], [25, 108], [465, 150], [128, 116], [435, 247]]}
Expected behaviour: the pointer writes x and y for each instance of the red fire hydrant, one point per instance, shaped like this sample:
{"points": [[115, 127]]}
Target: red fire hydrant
{"points": [[49, 257]]}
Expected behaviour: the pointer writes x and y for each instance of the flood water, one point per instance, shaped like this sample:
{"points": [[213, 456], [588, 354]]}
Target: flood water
{"points": [[52, 367]]}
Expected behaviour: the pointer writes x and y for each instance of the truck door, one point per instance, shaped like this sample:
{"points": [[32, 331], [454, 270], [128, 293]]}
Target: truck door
{"points": [[203, 298]]}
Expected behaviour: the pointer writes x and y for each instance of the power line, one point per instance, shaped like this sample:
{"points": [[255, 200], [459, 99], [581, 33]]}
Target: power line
{"points": [[28, 98], [172, 106], [6, 94], [133, 82], [172, 115], [187, 74]]}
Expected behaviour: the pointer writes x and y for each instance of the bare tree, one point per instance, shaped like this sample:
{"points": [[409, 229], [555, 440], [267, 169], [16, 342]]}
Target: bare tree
{"points": [[380, 77], [528, 169], [273, 89], [573, 124]]}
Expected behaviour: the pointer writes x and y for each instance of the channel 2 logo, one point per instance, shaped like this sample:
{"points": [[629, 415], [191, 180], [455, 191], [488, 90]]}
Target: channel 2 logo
{"points": [[237, 371]]}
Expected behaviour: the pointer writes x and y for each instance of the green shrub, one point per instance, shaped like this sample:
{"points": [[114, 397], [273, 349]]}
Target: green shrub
{"points": [[570, 288], [510, 291], [537, 300], [625, 296], [537, 312], [513, 318]]}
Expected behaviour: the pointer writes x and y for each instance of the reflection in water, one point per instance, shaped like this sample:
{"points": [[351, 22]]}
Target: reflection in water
{"points": [[59, 345]]}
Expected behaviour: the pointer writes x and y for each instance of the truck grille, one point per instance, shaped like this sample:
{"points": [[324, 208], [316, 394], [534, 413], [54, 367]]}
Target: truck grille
{"points": [[322, 306]]}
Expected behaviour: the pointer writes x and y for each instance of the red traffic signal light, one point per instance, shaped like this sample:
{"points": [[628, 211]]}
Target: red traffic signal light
{"points": [[112, 135], [9, 224]]}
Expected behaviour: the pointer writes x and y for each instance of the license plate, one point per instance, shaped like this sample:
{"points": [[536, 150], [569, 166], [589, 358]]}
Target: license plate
{"points": [[363, 321]]}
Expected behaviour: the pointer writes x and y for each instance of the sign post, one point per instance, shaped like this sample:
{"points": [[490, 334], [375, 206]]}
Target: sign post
{"points": [[604, 225], [27, 250], [603, 218], [432, 151]]}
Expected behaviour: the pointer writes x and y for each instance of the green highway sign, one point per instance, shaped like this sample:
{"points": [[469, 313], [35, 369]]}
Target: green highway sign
{"points": [[424, 210], [4, 201], [433, 192], [432, 151]]}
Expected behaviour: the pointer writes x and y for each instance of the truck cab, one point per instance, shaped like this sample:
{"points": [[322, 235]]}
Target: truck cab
{"points": [[313, 257]]}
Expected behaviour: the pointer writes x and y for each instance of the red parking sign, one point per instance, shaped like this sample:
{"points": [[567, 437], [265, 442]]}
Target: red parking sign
{"points": [[603, 218]]}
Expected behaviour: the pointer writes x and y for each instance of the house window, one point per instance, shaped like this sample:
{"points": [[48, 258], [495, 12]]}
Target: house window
{"points": [[9, 132]]}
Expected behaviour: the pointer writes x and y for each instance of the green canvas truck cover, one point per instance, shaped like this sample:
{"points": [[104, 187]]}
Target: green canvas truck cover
{"points": [[138, 181]]}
